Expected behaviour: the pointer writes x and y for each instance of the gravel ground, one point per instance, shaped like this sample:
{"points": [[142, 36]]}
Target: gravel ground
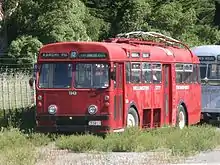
{"points": [[211, 157], [49, 155]]}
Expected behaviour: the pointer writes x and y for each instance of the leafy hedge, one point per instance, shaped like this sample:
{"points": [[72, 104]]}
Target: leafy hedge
{"points": [[23, 119]]}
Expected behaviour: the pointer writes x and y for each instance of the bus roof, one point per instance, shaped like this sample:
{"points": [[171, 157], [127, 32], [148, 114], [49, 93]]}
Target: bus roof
{"points": [[165, 50], [206, 50], [117, 51]]}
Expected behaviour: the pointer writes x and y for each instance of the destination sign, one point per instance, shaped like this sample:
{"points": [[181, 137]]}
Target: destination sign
{"points": [[207, 58], [92, 55], [135, 54], [54, 55]]}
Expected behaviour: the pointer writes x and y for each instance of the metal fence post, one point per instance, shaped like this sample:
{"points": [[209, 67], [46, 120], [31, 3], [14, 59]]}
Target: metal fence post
{"points": [[34, 77]]}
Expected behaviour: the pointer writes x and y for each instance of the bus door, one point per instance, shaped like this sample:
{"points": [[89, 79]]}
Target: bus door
{"points": [[167, 95], [118, 94]]}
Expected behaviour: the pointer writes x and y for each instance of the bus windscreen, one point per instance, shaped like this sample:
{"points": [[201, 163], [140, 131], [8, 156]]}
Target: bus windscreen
{"points": [[83, 75], [210, 71], [91, 75], [55, 75]]}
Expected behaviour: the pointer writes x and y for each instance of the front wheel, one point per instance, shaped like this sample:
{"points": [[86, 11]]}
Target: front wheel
{"points": [[181, 117], [132, 118]]}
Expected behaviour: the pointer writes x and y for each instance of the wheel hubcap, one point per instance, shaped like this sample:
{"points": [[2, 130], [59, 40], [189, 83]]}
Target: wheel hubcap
{"points": [[181, 120], [130, 121]]}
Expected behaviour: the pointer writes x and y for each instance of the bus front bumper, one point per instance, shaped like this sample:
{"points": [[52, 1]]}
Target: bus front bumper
{"points": [[71, 123]]}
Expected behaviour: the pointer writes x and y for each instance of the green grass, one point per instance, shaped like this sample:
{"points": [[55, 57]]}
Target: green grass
{"points": [[38, 139], [180, 142], [22, 148], [18, 148]]}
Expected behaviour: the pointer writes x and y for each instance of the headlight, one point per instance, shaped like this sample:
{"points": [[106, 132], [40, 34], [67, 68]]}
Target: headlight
{"points": [[92, 109], [106, 97], [52, 109], [39, 97]]}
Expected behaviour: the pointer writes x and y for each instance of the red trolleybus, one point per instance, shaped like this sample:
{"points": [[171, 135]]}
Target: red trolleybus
{"points": [[121, 82]]}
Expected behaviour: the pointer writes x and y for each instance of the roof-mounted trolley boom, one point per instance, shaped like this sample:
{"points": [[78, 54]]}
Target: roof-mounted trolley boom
{"points": [[163, 38]]}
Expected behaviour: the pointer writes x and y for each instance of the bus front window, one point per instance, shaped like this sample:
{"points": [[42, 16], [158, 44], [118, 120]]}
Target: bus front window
{"points": [[210, 71], [91, 75], [203, 70], [55, 75], [214, 71], [210, 74]]}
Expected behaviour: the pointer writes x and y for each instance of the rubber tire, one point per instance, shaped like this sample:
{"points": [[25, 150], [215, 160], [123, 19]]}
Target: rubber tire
{"points": [[133, 112], [181, 109]]}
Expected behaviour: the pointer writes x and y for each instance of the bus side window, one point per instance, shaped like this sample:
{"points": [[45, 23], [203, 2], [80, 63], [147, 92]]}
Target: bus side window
{"points": [[179, 73], [146, 72], [128, 72], [135, 72], [198, 73], [113, 75], [195, 74], [188, 73], [156, 73]]}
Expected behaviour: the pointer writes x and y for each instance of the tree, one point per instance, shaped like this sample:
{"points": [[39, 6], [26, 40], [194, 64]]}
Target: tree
{"points": [[62, 20], [186, 20], [20, 18], [46, 21], [24, 49], [96, 28], [135, 16]]}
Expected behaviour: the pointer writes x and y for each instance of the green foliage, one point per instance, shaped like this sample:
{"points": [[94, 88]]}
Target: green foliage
{"points": [[38, 139], [20, 18], [205, 10], [24, 48], [79, 143], [172, 18], [96, 27], [208, 34], [16, 149], [62, 21], [180, 142], [46, 21], [19, 148], [134, 18], [23, 119]]}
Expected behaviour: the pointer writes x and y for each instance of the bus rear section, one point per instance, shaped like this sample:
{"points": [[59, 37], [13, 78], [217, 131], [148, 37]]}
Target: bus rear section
{"points": [[73, 95], [210, 79]]}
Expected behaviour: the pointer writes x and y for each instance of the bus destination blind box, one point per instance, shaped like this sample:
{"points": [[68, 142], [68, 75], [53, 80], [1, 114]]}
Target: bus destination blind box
{"points": [[54, 55], [92, 55], [89, 55], [74, 54], [207, 58]]}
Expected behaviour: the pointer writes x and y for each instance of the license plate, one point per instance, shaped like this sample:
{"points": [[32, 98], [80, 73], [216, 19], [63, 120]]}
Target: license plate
{"points": [[94, 123]]}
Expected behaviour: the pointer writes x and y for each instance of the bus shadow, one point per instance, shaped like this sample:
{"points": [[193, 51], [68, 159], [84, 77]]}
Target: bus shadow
{"points": [[210, 123]]}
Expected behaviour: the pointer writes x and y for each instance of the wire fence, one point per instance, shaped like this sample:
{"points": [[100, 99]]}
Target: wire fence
{"points": [[15, 91]]}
